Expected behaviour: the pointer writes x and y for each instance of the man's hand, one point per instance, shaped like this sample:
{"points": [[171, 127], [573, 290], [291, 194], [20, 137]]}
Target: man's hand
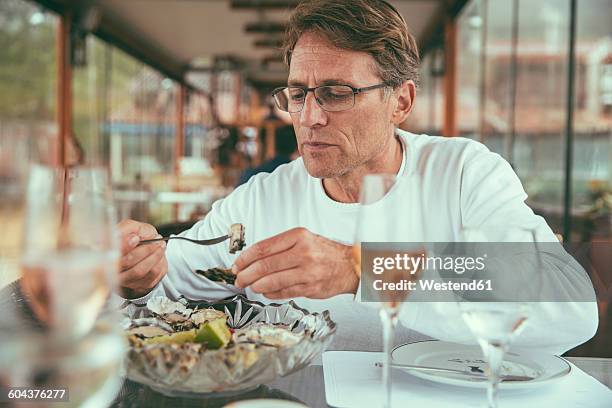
{"points": [[141, 267], [297, 263]]}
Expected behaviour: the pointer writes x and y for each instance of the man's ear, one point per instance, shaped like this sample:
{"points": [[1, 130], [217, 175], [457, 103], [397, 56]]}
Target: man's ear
{"points": [[405, 95]]}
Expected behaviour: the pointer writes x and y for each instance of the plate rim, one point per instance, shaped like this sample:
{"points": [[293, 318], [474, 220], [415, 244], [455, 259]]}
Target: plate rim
{"points": [[480, 384]]}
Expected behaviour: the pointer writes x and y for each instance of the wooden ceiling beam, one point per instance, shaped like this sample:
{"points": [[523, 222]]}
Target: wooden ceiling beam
{"points": [[271, 42], [263, 4], [266, 27]]}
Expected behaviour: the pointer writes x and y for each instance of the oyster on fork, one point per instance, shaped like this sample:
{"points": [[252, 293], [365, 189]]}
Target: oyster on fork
{"points": [[236, 236]]}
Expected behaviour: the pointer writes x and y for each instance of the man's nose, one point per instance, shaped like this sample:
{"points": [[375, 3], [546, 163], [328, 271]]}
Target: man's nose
{"points": [[312, 114]]}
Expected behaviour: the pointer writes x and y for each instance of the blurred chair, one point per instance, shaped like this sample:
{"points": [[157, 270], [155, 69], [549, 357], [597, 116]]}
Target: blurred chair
{"points": [[286, 151]]}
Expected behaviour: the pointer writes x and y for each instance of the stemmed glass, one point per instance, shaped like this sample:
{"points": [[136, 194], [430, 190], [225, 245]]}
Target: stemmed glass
{"points": [[70, 254], [377, 237], [69, 266], [84, 373], [13, 177], [513, 266]]}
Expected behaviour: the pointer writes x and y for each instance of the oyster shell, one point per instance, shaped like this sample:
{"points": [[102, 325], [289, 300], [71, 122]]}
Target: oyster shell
{"points": [[168, 310], [205, 315], [181, 358], [218, 275], [268, 335], [146, 327], [135, 341], [148, 331]]}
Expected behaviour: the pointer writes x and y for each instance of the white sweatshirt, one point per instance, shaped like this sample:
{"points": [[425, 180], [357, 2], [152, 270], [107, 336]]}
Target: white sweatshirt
{"points": [[447, 183]]}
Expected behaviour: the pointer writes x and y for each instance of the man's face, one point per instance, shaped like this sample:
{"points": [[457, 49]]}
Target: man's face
{"points": [[333, 144]]}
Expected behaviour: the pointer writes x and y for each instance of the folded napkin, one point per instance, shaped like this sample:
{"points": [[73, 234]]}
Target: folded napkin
{"points": [[352, 380]]}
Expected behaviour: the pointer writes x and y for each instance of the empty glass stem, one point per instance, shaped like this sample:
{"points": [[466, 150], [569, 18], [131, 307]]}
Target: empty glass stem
{"points": [[388, 318]]}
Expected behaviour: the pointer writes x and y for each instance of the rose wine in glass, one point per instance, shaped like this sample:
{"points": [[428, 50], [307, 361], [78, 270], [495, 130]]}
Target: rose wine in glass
{"points": [[70, 256], [377, 232]]}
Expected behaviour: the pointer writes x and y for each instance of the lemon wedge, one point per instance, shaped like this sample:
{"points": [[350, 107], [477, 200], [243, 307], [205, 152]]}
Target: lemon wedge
{"points": [[215, 334]]}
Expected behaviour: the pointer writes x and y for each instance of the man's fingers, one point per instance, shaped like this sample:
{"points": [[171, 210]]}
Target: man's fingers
{"points": [[153, 277], [157, 272], [278, 281], [141, 267], [264, 266], [140, 270], [132, 232], [300, 290], [129, 242], [136, 255], [128, 230], [147, 231], [141, 229], [270, 246], [128, 227]]}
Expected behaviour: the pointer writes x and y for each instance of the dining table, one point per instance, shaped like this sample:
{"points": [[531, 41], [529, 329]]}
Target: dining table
{"points": [[305, 386]]}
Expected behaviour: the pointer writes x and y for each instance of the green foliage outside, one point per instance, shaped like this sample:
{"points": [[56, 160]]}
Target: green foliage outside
{"points": [[27, 62]]}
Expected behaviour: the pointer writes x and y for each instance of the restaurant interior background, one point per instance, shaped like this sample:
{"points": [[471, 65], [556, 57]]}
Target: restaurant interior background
{"points": [[173, 97]]}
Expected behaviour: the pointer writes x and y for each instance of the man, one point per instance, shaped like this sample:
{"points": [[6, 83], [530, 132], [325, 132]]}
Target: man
{"points": [[286, 151], [352, 72]]}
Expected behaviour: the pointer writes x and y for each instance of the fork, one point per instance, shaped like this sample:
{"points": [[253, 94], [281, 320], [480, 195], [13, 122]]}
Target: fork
{"points": [[212, 241], [474, 372]]}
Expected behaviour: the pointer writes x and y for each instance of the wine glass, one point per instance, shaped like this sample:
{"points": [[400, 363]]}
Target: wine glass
{"points": [[498, 311], [71, 253], [87, 373], [379, 238]]}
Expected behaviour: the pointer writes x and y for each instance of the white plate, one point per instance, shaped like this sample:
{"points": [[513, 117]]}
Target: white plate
{"points": [[543, 367]]}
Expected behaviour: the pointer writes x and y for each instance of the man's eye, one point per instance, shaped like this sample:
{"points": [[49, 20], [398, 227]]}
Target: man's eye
{"points": [[338, 95], [332, 94], [296, 95]]}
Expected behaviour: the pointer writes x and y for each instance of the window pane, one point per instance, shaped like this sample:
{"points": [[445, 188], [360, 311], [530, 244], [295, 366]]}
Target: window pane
{"points": [[142, 131], [27, 83], [90, 93], [592, 168], [469, 69], [198, 121], [124, 127], [592, 159], [419, 119], [28, 129], [124, 121], [498, 76], [541, 101], [428, 111]]}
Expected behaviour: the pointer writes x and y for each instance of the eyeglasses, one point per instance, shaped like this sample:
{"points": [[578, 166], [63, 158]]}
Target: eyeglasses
{"points": [[331, 98]]}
